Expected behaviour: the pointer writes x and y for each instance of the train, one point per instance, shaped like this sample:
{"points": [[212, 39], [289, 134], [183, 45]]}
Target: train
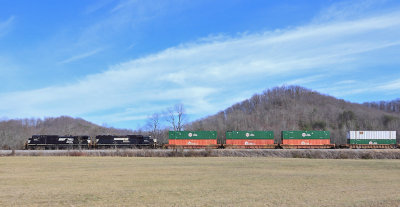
{"points": [[208, 139]]}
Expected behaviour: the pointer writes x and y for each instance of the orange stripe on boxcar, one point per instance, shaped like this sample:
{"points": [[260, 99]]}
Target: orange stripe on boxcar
{"points": [[306, 141], [249, 141], [184, 142]]}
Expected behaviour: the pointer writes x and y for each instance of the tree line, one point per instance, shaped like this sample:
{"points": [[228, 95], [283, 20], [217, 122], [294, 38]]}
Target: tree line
{"points": [[388, 106]]}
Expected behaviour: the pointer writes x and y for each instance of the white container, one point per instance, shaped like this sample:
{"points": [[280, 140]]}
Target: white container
{"points": [[371, 135]]}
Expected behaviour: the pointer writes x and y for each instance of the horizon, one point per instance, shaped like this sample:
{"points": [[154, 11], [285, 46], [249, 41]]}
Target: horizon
{"points": [[165, 125], [118, 62]]}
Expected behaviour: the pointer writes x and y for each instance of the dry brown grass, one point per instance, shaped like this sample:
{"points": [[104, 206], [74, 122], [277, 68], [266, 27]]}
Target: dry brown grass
{"points": [[216, 181], [284, 153]]}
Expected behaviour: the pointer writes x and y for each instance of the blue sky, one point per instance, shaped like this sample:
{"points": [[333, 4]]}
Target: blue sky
{"points": [[117, 62]]}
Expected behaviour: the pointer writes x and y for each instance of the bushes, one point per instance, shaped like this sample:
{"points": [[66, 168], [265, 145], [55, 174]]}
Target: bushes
{"points": [[282, 153]]}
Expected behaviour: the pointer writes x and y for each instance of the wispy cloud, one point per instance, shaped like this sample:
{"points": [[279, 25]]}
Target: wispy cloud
{"points": [[348, 9], [345, 82], [306, 79], [124, 4], [97, 6], [352, 87], [80, 56], [6, 25], [208, 74], [124, 15], [393, 86]]}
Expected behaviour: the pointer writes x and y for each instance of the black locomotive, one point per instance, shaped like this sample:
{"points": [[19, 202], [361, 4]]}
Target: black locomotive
{"points": [[58, 142], [124, 141]]}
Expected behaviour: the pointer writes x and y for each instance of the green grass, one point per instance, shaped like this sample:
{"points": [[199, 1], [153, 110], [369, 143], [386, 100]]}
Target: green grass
{"points": [[228, 181]]}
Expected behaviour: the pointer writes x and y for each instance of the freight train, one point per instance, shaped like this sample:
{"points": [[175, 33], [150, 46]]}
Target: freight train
{"points": [[289, 140], [208, 139]]}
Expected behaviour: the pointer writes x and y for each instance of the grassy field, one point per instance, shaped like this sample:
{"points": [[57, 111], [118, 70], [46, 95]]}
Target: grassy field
{"points": [[228, 181]]}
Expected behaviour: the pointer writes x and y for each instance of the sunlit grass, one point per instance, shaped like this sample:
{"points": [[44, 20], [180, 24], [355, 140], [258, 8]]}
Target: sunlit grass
{"points": [[130, 181]]}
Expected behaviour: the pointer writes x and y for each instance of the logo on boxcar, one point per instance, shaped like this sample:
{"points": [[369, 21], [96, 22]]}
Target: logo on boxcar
{"points": [[306, 142], [191, 143], [247, 134], [248, 143], [305, 135]]}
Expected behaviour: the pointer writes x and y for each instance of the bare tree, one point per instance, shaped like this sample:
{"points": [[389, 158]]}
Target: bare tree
{"points": [[170, 117], [153, 124], [176, 117], [180, 113]]}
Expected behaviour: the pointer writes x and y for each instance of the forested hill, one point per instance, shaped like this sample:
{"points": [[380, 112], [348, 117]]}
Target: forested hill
{"points": [[388, 106], [13, 133], [297, 108]]}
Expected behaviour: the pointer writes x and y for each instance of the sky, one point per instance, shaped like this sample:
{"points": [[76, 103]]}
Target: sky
{"points": [[117, 62]]}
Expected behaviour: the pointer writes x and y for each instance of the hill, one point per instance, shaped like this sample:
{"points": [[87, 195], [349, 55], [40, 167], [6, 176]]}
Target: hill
{"points": [[13, 133], [298, 108]]}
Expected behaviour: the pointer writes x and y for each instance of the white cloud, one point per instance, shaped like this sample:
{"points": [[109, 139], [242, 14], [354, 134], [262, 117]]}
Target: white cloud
{"points": [[80, 56], [353, 87], [306, 79], [345, 82], [207, 75], [393, 85], [348, 9]]}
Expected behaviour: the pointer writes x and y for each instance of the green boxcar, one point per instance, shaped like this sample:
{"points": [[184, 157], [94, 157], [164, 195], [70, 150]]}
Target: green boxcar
{"points": [[305, 135], [192, 135], [372, 141], [249, 135]]}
